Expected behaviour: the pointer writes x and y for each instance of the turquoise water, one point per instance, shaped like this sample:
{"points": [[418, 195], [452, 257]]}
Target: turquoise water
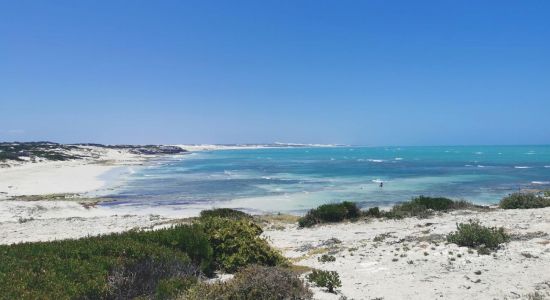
{"points": [[296, 179]]}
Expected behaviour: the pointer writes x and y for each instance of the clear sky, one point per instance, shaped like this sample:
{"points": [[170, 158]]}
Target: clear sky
{"points": [[354, 72]]}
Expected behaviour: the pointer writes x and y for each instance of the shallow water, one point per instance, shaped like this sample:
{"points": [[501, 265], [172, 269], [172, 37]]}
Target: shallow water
{"points": [[296, 179]]}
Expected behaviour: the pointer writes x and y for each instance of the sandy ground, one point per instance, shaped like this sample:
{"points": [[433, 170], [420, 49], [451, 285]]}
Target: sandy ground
{"points": [[32, 221], [62, 177], [389, 259], [413, 261]]}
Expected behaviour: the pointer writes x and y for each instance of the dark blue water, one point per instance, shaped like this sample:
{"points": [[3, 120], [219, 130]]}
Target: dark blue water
{"points": [[294, 179]]}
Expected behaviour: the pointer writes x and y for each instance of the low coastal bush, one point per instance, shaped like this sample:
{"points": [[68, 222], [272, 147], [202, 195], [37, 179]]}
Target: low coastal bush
{"points": [[237, 243], [149, 276], [335, 212], [159, 263], [326, 258], [190, 239], [112, 266], [524, 200], [31, 150], [326, 279], [173, 287], [224, 213], [373, 212], [254, 282], [475, 235], [423, 207]]}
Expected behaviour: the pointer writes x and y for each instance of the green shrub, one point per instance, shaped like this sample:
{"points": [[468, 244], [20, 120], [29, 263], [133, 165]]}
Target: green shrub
{"points": [[336, 212], [326, 258], [408, 209], [353, 211], [327, 279], [475, 235], [190, 239], [331, 212], [308, 220], [373, 212], [255, 282], [173, 287], [435, 203], [96, 267], [237, 243], [147, 276], [225, 213], [423, 207], [523, 200], [159, 263]]}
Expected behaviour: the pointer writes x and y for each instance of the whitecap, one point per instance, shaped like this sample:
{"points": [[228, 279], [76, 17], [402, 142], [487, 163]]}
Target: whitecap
{"points": [[468, 165], [522, 167], [540, 182], [480, 166], [375, 160], [378, 180], [547, 166], [399, 158], [479, 153], [266, 177]]}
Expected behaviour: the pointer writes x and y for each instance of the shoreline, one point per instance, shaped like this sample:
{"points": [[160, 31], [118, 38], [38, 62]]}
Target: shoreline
{"points": [[50, 178]]}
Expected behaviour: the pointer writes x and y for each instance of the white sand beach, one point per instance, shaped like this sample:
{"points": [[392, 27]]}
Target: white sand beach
{"points": [[65, 177], [410, 259]]}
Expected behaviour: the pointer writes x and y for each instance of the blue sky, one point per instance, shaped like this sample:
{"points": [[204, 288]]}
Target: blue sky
{"points": [[353, 72]]}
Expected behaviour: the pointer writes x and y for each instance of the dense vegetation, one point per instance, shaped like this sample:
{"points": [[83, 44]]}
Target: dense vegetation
{"points": [[32, 150], [225, 213], [155, 264], [475, 235], [142, 149], [101, 267], [17, 151], [237, 243], [421, 206], [254, 282], [524, 200], [326, 279], [335, 212]]}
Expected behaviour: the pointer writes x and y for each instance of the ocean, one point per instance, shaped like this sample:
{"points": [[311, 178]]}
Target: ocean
{"points": [[293, 180]]}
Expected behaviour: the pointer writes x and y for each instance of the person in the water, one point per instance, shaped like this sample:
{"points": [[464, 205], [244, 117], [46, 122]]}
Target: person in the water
{"points": [[381, 184]]}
